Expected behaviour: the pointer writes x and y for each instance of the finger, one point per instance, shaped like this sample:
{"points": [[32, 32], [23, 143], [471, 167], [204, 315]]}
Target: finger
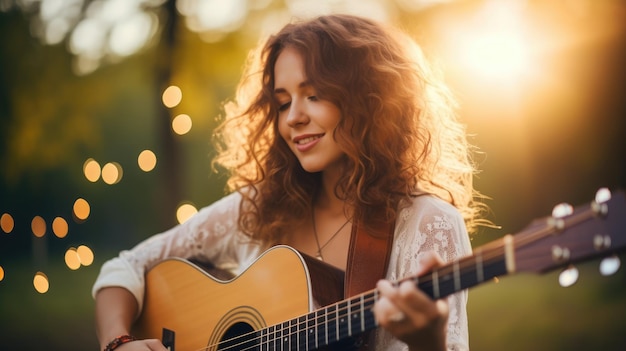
{"points": [[428, 261], [155, 345], [385, 312]]}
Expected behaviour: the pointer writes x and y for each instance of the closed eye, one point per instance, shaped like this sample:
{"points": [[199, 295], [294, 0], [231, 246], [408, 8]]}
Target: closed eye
{"points": [[284, 106]]}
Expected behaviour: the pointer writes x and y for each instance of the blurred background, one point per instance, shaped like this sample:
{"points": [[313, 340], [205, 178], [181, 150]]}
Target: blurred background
{"points": [[107, 109]]}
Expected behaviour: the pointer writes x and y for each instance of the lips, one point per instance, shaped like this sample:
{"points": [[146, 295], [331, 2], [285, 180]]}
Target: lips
{"points": [[305, 142], [306, 139]]}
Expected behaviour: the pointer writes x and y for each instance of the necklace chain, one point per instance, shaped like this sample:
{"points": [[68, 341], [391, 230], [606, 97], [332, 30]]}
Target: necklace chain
{"points": [[317, 240]]}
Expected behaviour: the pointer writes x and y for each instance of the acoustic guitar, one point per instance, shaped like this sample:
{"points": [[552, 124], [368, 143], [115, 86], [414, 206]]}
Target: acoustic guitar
{"points": [[273, 304]]}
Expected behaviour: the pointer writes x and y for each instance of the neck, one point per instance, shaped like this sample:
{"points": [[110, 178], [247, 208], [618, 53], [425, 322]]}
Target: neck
{"points": [[327, 198]]}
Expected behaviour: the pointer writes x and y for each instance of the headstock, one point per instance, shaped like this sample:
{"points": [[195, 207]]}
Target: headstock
{"points": [[572, 235]]}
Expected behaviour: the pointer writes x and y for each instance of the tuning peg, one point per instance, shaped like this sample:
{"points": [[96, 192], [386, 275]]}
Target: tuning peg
{"points": [[562, 210], [609, 265], [568, 277], [603, 195]]}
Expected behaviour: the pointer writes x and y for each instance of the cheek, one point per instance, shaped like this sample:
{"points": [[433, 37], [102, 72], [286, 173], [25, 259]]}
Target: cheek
{"points": [[283, 129]]}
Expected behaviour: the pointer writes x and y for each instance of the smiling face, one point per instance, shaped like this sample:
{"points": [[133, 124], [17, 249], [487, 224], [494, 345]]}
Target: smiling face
{"points": [[305, 122]]}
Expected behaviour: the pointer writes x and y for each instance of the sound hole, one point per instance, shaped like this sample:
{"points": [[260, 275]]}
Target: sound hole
{"points": [[239, 337]]}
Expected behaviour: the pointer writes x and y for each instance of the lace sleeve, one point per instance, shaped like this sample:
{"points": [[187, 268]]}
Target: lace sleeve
{"points": [[430, 224], [211, 235]]}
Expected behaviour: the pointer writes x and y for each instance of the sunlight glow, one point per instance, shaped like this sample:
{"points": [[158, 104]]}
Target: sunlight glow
{"points": [[147, 160], [129, 35], [41, 283], [492, 43], [185, 211], [7, 223], [213, 15]]}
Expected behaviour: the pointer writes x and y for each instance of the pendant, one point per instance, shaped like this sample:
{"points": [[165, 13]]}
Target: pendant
{"points": [[319, 256]]}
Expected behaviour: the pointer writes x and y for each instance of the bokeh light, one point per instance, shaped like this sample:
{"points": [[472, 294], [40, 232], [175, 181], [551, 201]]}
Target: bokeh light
{"points": [[185, 211], [147, 160], [91, 169], [81, 209], [60, 227], [112, 173], [38, 226], [72, 260], [85, 255], [181, 124], [41, 283], [1, 273], [172, 96], [7, 223]]}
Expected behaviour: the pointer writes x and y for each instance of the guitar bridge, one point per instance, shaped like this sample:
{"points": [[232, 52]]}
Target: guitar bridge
{"points": [[167, 339]]}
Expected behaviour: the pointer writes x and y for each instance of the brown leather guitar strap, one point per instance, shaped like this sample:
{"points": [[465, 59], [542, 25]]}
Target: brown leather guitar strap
{"points": [[368, 259]]}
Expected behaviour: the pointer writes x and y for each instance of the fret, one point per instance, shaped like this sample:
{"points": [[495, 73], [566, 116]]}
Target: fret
{"points": [[271, 338], [302, 333], [293, 334], [355, 316], [362, 309], [262, 334], [435, 276], [320, 324], [457, 276], [480, 274], [369, 322], [285, 337], [332, 329], [343, 320], [312, 332]]}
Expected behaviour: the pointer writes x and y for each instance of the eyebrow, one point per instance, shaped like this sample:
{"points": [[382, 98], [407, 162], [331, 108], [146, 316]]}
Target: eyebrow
{"points": [[305, 84]]}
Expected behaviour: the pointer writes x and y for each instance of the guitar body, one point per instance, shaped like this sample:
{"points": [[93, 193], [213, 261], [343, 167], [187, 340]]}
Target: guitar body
{"points": [[202, 310]]}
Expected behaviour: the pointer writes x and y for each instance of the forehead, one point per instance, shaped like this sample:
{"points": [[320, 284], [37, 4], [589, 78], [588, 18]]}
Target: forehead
{"points": [[289, 70]]}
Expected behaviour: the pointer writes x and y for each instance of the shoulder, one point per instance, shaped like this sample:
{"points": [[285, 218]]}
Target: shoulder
{"points": [[430, 223], [426, 206]]}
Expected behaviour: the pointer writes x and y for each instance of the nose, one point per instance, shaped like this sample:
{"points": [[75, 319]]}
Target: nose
{"points": [[296, 115]]}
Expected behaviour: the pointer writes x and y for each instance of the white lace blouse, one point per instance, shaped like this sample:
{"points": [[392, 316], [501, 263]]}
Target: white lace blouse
{"points": [[427, 224]]}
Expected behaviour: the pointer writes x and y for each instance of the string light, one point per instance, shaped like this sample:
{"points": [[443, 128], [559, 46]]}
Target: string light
{"points": [[38, 226], [172, 96], [81, 209], [147, 160], [181, 124], [91, 169], [7, 223], [41, 283], [185, 211], [60, 227]]}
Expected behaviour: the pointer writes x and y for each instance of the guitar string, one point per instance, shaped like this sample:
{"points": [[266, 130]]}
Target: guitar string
{"points": [[370, 296]]}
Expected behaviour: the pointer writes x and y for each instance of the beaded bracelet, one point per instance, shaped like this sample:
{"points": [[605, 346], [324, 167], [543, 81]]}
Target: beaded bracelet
{"points": [[122, 339]]}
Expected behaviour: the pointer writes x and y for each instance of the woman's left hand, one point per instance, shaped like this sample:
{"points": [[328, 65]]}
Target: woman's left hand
{"points": [[410, 315]]}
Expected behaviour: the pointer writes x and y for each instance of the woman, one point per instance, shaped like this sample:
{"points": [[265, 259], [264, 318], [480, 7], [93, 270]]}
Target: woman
{"points": [[336, 120]]}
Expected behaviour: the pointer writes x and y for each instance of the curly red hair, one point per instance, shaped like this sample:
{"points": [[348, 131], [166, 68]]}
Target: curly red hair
{"points": [[398, 128]]}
